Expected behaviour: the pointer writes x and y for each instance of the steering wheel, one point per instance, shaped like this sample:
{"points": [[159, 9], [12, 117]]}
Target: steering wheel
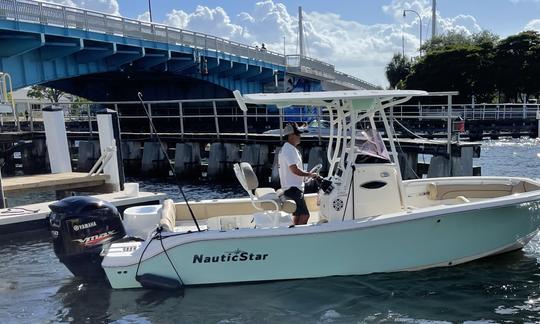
{"points": [[316, 170]]}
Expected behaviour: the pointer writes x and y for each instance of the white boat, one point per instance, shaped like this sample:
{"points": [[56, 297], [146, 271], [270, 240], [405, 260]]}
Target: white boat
{"points": [[364, 220]]}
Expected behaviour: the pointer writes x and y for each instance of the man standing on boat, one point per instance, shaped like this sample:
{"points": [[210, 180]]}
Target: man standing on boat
{"points": [[291, 174]]}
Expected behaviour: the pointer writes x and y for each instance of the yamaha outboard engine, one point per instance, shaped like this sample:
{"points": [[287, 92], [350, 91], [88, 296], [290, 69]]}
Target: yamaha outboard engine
{"points": [[80, 227]]}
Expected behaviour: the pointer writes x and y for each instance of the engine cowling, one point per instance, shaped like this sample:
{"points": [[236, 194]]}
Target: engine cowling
{"points": [[81, 227]]}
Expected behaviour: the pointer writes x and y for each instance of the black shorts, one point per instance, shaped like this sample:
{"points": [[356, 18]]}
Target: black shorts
{"points": [[297, 195]]}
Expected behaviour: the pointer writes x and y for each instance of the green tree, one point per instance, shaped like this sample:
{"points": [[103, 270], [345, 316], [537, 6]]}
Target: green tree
{"points": [[445, 41], [458, 62], [453, 39], [41, 92], [517, 65], [397, 70], [461, 68]]}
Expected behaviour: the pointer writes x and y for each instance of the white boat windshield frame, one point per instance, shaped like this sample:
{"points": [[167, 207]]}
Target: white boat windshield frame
{"points": [[345, 109]]}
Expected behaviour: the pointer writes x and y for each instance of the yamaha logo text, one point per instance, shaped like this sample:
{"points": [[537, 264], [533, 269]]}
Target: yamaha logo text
{"points": [[83, 226]]}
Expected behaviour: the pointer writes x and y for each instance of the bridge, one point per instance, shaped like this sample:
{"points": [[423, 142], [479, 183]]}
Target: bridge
{"points": [[108, 58]]}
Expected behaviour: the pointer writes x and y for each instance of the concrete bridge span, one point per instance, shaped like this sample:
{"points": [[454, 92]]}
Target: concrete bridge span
{"points": [[104, 57]]}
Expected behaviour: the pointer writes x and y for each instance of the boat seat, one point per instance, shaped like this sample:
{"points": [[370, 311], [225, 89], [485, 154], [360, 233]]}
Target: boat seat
{"points": [[167, 220], [287, 205], [450, 191], [264, 199]]}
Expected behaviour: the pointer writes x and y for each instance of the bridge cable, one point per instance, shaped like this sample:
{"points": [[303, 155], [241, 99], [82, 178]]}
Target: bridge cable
{"points": [[164, 151]]}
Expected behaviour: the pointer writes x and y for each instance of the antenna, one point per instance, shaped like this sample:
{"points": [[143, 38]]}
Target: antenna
{"points": [[300, 32], [434, 19]]}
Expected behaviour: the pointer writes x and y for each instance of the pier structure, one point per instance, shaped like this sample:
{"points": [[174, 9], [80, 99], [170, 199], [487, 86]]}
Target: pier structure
{"points": [[207, 137], [106, 176], [199, 154]]}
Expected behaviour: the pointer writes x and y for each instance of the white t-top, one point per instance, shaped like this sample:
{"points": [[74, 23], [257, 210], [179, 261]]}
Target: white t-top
{"points": [[289, 155]]}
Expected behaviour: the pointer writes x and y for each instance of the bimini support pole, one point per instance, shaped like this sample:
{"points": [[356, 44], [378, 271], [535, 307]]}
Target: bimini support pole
{"points": [[394, 155]]}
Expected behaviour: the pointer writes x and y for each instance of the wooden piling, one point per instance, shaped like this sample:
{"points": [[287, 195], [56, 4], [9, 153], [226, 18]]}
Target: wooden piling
{"points": [[408, 163], [153, 160], [34, 157], [187, 160], [132, 157], [89, 153], [257, 156]]}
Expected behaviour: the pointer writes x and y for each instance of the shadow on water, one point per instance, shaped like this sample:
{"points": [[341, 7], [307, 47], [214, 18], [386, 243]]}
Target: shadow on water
{"points": [[501, 288]]}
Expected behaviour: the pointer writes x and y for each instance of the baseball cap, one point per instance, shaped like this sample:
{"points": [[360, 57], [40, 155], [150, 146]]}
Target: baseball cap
{"points": [[291, 129]]}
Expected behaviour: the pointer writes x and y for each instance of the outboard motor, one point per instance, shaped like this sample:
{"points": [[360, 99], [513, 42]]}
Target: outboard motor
{"points": [[80, 227]]}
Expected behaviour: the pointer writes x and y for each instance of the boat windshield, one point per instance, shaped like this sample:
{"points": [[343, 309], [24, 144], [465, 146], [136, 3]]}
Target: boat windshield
{"points": [[370, 147]]}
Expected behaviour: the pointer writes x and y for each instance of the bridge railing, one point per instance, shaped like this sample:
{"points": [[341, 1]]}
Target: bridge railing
{"points": [[223, 114], [220, 115], [67, 17], [470, 111], [58, 15]]}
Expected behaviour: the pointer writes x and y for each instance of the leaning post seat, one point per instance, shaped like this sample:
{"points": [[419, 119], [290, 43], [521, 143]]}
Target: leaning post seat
{"points": [[265, 199]]}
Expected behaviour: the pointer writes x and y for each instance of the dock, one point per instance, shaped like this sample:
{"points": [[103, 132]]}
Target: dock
{"points": [[34, 216], [53, 182]]}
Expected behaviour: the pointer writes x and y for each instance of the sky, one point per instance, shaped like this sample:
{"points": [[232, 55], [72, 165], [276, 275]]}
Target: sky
{"points": [[358, 36]]}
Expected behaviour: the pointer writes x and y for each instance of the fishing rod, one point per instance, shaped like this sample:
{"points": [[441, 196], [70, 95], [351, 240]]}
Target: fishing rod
{"points": [[164, 151]]}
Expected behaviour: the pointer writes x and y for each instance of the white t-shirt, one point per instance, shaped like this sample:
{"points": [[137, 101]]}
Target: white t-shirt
{"points": [[289, 155]]}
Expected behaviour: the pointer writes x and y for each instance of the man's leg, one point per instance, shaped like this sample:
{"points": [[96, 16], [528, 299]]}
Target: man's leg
{"points": [[301, 219]]}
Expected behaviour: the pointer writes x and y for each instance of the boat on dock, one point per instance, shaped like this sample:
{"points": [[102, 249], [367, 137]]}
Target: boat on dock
{"points": [[364, 219]]}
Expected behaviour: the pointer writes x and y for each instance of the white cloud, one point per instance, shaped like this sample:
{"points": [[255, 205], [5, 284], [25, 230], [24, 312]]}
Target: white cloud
{"points": [[206, 20], [145, 16], [533, 25], [177, 18], [106, 6]]}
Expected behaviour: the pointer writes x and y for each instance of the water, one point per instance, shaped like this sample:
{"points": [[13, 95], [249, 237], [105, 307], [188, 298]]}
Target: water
{"points": [[35, 287]]}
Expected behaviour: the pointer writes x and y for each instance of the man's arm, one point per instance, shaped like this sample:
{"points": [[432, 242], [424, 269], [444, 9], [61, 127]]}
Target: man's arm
{"points": [[296, 171]]}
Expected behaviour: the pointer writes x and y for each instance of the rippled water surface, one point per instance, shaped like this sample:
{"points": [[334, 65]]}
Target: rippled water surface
{"points": [[36, 288]]}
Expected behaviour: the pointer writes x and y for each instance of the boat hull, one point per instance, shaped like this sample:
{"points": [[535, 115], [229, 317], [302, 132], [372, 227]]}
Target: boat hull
{"points": [[409, 241]]}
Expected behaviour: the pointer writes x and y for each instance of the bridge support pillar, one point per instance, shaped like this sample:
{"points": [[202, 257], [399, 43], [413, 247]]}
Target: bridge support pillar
{"points": [[408, 163], [89, 153], [153, 160], [34, 158], [257, 156], [8, 162], [221, 159], [132, 154], [187, 160], [462, 165]]}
